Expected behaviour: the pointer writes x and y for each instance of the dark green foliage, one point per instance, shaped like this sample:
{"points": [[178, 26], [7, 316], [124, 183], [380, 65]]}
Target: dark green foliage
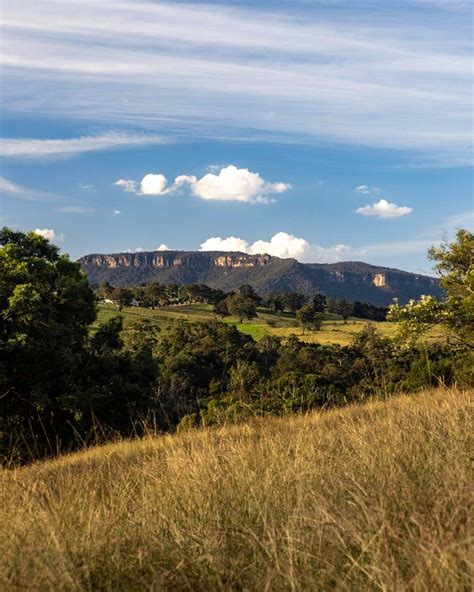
{"points": [[241, 307], [220, 309], [122, 296], [195, 361], [308, 318], [105, 291], [55, 380], [247, 291], [46, 307], [319, 303], [364, 310], [342, 308], [293, 301], [275, 302]]}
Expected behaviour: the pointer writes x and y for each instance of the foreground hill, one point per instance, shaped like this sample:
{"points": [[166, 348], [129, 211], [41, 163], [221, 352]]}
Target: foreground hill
{"points": [[228, 271], [370, 497]]}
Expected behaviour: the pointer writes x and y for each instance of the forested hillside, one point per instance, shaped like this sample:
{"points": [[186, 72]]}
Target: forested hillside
{"points": [[228, 271]]}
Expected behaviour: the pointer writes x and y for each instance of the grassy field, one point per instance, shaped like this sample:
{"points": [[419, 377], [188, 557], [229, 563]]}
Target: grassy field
{"points": [[334, 330], [282, 325], [370, 497]]}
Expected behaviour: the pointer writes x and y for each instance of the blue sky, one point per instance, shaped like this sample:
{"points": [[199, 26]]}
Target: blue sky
{"points": [[323, 130]]}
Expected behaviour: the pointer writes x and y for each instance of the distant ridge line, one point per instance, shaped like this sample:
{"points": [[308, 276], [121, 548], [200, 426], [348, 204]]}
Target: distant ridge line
{"points": [[227, 270]]}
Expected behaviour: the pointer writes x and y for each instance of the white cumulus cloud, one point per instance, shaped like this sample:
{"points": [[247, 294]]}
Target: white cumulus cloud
{"points": [[163, 247], [282, 245], [384, 209], [152, 184], [116, 213], [49, 234], [231, 243], [181, 180], [229, 184], [235, 184]]}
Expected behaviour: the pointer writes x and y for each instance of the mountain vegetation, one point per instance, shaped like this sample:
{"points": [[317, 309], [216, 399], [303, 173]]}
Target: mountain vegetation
{"points": [[266, 274]]}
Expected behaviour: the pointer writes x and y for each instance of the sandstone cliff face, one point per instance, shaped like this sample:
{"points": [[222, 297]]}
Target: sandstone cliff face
{"points": [[379, 280], [241, 261], [173, 259], [228, 271]]}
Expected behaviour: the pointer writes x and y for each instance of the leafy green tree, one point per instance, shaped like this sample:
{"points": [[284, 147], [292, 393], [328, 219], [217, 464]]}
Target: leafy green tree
{"points": [[116, 384], [275, 302], [308, 318], [46, 307], [319, 303], [108, 336], [294, 301], [153, 293], [123, 296], [220, 309], [247, 291], [364, 310], [241, 307], [242, 377], [343, 308], [454, 264], [106, 291], [140, 336]]}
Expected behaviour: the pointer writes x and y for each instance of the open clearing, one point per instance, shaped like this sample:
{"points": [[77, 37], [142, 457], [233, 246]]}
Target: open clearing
{"points": [[282, 325]]}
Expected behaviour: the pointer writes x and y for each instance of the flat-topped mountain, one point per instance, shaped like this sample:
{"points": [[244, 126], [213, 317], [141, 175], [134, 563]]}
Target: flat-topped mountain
{"points": [[229, 270]]}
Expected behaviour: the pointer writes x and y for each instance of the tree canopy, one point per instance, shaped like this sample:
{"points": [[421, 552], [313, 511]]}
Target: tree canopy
{"points": [[454, 263]]}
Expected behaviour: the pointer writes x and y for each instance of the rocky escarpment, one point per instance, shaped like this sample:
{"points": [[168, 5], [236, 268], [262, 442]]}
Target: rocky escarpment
{"points": [[228, 271], [169, 259]]}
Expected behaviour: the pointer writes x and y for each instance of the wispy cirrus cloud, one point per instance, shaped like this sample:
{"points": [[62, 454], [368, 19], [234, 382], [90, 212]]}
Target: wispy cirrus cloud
{"points": [[12, 189], [366, 190], [75, 210], [34, 148], [223, 71]]}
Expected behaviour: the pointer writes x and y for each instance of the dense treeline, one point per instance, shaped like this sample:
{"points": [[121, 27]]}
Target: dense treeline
{"points": [[156, 295], [61, 385]]}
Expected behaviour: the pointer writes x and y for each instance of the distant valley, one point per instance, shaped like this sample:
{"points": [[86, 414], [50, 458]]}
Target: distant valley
{"points": [[266, 273]]}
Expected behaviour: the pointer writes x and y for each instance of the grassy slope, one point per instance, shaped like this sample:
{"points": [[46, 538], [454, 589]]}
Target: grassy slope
{"points": [[375, 497], [334, 330]]}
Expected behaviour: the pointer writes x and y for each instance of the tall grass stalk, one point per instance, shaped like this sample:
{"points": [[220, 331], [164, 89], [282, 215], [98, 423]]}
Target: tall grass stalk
{"points": [[370, 497]]}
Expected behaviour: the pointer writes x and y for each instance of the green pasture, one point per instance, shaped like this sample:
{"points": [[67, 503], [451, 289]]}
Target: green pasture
{"points": [[282, 325]]}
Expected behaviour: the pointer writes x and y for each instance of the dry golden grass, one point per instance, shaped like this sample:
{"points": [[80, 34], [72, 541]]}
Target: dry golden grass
{"points": [[374, 497]]}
